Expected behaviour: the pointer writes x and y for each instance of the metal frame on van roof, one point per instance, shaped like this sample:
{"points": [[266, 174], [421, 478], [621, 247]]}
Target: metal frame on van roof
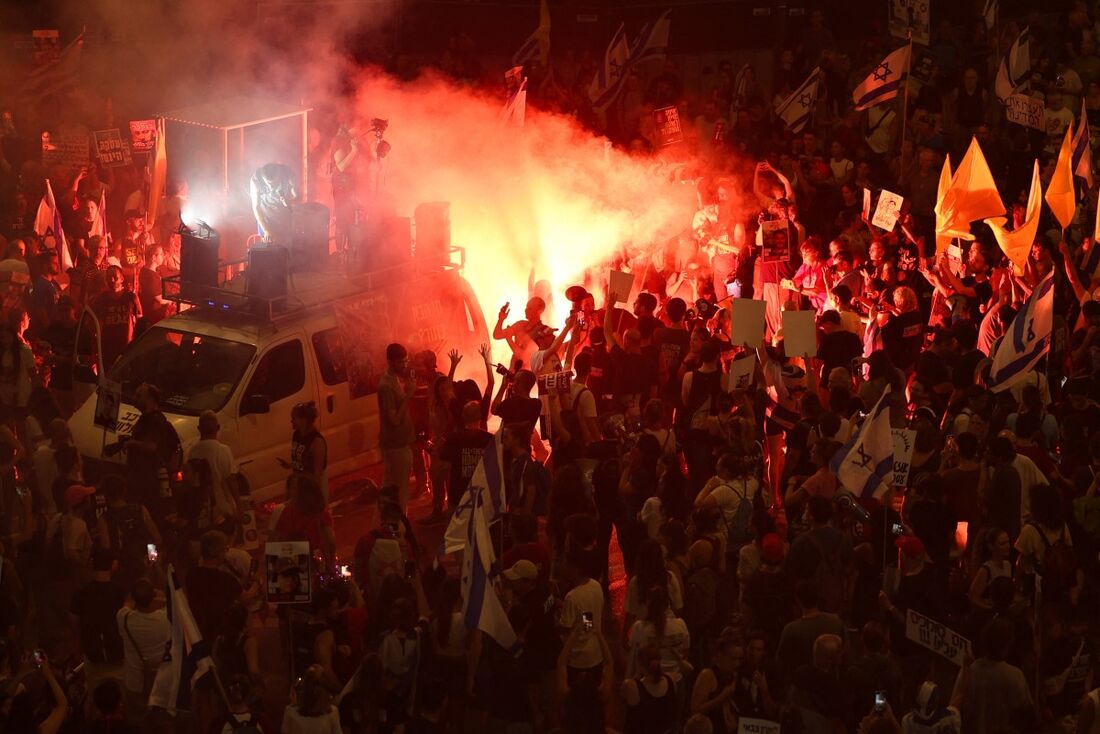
{"points": [[306, 289]]}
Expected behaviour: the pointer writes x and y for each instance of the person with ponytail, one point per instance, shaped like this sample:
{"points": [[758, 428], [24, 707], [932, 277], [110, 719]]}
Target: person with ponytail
{"points": [[668, 632]]}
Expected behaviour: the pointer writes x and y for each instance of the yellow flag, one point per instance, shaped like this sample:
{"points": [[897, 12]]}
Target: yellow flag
{"points": [[973, 195], [1017, 243], [942, 240], [1060, 196], [158, 178]]}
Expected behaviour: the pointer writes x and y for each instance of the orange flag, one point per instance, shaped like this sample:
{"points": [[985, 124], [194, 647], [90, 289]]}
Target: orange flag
{"points": [[973, 195], [1060, 197], [1017, 243], [942, 240]]}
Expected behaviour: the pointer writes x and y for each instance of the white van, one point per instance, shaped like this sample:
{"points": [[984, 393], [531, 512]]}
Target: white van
{"points": [[252, 370]]}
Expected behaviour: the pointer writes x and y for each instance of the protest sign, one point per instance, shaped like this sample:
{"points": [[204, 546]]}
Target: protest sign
{"points": [[930, 634], [910, 16], [287, 572], [799, 333], [742, 370], [111, 149], [1026, 111], [669, 131], [558, 382], [68, 153], [621, 285], [107, 402], [887, 211], [904, 440], [746, 725], [143, 135], [775, 241], [746, 321]]}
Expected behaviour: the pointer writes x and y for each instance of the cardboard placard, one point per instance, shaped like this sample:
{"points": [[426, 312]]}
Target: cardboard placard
{"points": [[742, 371], [904, 440], [288, 572], [887, 211], [799, 333], [746, 725], [746, 321], [911, 16], [143, 135], [1026, 111], [621, 285], [111, 149], [669, 130], [68, 153], [775, 239], [108, 400], [931, 635]]}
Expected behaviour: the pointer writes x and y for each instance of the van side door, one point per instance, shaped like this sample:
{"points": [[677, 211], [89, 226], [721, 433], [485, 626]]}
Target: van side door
{"points": [[278, 381], [349, 424]]}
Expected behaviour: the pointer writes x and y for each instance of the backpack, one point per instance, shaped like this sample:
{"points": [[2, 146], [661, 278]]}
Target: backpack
{"points": [[739, 529], [541, 479], [1058, 568], [831, 578]]}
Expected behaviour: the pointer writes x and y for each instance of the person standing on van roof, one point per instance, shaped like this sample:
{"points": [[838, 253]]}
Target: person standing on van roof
{"points": [[396, 434], [520, 335], [308, 448]]}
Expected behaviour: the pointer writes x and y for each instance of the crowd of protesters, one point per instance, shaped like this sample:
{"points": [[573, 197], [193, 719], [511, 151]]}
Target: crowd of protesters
{"points": [[752, 583]]}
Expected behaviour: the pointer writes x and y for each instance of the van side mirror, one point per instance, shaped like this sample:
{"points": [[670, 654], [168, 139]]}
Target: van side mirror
{"points": [[85, 374], [254, 404]]}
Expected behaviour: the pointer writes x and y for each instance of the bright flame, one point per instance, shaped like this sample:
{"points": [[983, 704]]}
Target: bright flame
{"points": [[549, 196]]}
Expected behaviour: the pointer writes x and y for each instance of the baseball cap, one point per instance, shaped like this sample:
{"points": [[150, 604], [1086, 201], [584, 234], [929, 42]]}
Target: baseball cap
{"points": [[76, 493], [771, 548], [522, 569], [910, 545]]}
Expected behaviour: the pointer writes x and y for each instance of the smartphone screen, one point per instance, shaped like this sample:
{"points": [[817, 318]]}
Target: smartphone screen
{"points": [[345, 571], [880, 701], [151, 552], [586, 620]]}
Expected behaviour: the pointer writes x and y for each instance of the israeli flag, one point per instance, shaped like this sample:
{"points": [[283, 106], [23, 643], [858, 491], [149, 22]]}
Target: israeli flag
{"points": [[186, 658], [884, 81], [1015, 69], [481, 607], [652, 40], [488, 476], [47, 223], [865, 465], [796, 110], [608, 82], [1027, 339]]}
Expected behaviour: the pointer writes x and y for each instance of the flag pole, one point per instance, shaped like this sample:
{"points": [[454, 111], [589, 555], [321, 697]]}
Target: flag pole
{"points": [[905, 106]]}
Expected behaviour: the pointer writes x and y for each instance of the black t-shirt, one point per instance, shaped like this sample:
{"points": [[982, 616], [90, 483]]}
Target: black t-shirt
{"points": [[519, 410], [672, 345], [903, 337], [983, 291], [837, 349], [95, 605], [932, 370], [463, 449], [602, 374], [211, 592], [153, 426], [967, 363], [635, 374], [541, 643]]}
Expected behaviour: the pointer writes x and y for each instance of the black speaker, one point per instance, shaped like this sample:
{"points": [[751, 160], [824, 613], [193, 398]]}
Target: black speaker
{"points": [[433, 229], [309, 236], [198, 264], [266, 277]]}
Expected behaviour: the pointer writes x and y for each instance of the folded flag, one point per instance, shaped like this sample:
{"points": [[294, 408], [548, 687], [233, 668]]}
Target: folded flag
{"points": [[1027, 338]]}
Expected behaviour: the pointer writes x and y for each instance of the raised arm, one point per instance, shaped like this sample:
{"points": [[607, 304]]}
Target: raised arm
{"points": [[1071, 272], [608, 328]]}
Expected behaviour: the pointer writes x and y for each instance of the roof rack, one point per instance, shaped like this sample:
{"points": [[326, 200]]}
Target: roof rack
{"points": [[305, 289]]}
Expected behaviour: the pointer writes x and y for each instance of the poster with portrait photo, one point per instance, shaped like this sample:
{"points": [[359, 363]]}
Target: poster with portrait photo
{"points": [[776, 241], [287, 570]]}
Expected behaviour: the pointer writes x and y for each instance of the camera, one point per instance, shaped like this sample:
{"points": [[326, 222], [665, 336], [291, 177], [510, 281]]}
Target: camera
{"points": [[378, 126], [504, 371]]}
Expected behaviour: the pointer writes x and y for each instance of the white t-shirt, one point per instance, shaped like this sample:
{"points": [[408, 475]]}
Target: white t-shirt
{"points": [[840, 168], [673, 644], [295, 723], [1030, 476], [652, 515], [222, 465], [729, 496], [588, 597], [150, 631]]}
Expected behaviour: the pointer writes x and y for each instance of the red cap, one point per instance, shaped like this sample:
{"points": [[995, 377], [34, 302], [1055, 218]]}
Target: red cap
{"points": [[910, 545], [76, 493], [771, 548]]}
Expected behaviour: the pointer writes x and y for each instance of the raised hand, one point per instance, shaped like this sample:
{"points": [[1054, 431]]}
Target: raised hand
{"points": [[455, 357], [503, 313], [485, 353]]}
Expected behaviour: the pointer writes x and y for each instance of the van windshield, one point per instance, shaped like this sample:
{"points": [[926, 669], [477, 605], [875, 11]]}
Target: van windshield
{"points": [[194, 372]]}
